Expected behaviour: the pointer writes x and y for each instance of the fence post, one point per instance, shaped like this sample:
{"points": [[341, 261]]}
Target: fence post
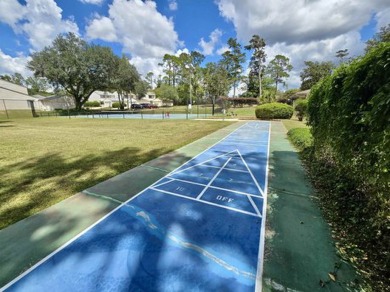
{"points": [[6, 111]]}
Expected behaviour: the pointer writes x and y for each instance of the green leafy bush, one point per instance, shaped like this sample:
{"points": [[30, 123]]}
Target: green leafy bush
{"points": [[274, 110], [349, 113], [92, 104], [301, 108], [300, 137], [115, 105]]}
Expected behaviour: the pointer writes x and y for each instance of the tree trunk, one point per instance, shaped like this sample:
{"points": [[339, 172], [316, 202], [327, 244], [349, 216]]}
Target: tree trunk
{"points": [[260, 89]]}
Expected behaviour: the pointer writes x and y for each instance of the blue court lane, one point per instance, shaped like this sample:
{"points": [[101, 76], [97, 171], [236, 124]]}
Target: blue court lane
{"points": [[197, 229]]}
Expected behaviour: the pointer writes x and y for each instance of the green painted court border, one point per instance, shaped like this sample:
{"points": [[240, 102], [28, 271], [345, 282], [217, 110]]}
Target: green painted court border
{"points": [[299, 250], [28, 241]]}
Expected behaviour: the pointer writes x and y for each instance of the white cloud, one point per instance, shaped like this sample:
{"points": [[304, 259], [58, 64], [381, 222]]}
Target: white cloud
{"points": [[172, 5], [11, 11], [294, 21], [208, 47], [383, 18], [11, 65], [305, 29], [222, 49], [94, 2], [40, 20], [323, 50], [101, 28], [145, 34]]}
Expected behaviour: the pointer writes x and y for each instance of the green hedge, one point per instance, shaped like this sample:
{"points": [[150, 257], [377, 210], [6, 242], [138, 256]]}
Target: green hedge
{"points": [[115, 105], [300, 137], [301, 108], [274, 110], [92, 104], [349, 113]]}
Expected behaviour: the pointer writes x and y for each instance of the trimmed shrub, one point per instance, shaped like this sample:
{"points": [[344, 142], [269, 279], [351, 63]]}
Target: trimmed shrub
{"points": [[301, 108], [92, 104], [301, 138], [274, 110], [115, 105]]}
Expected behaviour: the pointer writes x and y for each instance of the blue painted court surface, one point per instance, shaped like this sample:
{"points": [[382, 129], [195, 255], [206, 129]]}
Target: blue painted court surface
{"points": [[200, 228]]}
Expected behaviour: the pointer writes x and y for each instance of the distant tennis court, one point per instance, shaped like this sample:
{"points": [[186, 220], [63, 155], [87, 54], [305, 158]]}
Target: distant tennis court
{"points": [[200, 228], [142, 115]]}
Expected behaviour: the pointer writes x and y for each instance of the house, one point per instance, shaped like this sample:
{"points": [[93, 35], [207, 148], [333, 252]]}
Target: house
{"points": [[14, 98], [151, 98], [54, 102], [300, 94], [107, 98]]}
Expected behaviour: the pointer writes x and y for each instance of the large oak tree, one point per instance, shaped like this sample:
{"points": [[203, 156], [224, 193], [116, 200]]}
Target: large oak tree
{"points": [[75, 66]]}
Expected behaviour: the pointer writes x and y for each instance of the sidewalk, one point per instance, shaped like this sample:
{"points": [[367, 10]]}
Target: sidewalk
{"points": [[299, 251]]}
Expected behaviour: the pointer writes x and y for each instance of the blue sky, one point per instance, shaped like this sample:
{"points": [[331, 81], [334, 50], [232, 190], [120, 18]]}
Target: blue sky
{"points": [[146, 30]]}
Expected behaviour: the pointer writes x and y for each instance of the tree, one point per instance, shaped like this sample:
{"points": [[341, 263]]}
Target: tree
{"points": [[278, 68], [74, 65], [314, 72], [257, 44], [216, 81], [170, 66], [16, 78], [125, 80], [380, 37], [149, 78], [167, 92], [36, 85], [233, 59], [341, 54], [141, 88]]}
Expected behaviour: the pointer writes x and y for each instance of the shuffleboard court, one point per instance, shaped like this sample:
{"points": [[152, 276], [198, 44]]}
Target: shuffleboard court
{"points": [[200, 228]]}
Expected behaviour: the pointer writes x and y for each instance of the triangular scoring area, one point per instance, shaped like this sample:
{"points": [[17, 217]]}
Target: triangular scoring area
{"points": [[204, 172], [236, 163], [236, 181]]}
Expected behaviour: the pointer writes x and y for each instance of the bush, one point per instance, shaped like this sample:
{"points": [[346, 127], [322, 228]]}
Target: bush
{"points": [[301, 138], [116, 105], [349, 113], [92, 104], [301, 108], [274, 110]]}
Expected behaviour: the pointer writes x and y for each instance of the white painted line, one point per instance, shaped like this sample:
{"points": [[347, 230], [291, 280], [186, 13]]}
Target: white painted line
{"points": [[167, 182], [211, 181], [237, 170], [235, 191], [186, 181], [259, 275], [254, 206], [202, 163], [210, 187], [253, 177], [207, 202]]}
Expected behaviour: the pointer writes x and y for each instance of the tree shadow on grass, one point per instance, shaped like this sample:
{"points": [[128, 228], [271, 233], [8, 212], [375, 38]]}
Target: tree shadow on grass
{"points": [[50, 178], [6, 124]]}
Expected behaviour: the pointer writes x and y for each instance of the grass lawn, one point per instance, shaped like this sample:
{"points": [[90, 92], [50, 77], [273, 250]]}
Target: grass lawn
{"points": [[45, 160], [294, 123]]}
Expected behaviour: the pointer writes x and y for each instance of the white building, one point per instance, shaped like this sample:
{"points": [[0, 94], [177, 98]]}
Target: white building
{"points": [[54, 102], [107, 98], [15, 97]]}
